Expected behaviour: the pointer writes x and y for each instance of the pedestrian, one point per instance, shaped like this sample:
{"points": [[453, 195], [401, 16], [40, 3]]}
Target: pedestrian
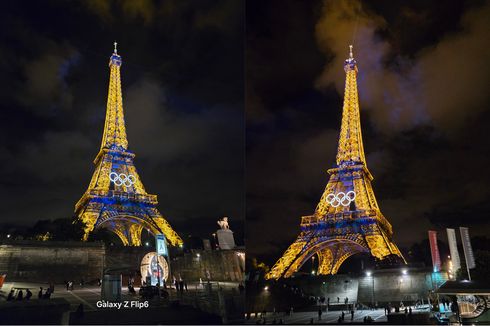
{"points": [[28, 294], [406, 310], [10, 297], [339, 320], [40, 294], [352, 315], [291, 311], [343, 316], [80, 310], [410, 310], [67, 283], [338, 300], [20, 295], [320, 313]]}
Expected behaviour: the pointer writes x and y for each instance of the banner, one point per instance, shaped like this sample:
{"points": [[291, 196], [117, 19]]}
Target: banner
{"points": [[468, 251], [161, 245], [453, 249], [434, 251]]}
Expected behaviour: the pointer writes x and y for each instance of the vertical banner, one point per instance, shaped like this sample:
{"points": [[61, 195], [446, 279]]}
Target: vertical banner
{"points": [[161, 245], [434, 251], [453, 249], [468, 251]]}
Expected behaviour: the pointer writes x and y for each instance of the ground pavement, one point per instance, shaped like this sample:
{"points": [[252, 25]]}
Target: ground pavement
{"points": [[327, 317]]}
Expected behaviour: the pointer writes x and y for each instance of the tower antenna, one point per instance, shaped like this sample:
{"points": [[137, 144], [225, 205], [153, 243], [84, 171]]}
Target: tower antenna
{"points": [[354, 33]]}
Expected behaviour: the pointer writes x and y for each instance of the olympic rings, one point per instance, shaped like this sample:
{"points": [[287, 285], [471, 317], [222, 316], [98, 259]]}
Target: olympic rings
{"points": [[122, 179], [341, 198]]}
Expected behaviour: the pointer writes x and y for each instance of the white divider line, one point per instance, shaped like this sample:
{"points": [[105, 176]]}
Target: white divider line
{"points": [[82, 300]]}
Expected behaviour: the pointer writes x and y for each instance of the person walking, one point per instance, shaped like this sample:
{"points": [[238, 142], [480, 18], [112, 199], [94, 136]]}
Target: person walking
{"points": [[28, 294], [352, 315], [20, 295], [320, 313], [10, 297], [40, 293]]}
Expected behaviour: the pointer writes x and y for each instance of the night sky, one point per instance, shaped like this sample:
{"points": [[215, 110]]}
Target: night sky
{"points": [[183, 95], [423, 83]]}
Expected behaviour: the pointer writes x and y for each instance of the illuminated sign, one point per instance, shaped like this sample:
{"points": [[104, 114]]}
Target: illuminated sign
{"points": [[341, 198], [154, 268], [161, 245], [434, 251], [453, 249], [468, 251], [122, 179]]}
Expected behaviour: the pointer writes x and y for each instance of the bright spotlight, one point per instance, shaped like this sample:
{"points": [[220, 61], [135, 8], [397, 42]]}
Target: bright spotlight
{"points": [[8, 235], [198, 255], [147, 244], [266, 288], [404, 272], [368, 273]]}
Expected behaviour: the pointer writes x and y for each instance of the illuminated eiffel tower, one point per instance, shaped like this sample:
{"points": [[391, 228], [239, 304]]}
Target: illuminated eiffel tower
{"points": [[116, 198], [347, 219]]}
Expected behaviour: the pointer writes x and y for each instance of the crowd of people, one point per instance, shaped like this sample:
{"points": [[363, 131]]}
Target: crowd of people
{"points": [[42, 294]]}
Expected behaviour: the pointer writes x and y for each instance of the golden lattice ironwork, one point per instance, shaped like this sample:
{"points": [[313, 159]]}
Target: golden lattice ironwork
{"points": [[116, 198], [347, 220]]}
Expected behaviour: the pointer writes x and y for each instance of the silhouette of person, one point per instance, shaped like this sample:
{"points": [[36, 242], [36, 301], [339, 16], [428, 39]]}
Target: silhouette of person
{"points": [[40, 294], [28, 294], [10, 297], [20, 295]]}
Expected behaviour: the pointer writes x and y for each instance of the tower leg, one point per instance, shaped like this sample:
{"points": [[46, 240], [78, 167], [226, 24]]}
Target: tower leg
{"points": [[89, 220], [135, 234], [325, 260]]}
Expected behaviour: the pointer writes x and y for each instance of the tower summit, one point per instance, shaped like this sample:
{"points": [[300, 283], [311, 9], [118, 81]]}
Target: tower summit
{"points": [[116, 198], [347, 220]]}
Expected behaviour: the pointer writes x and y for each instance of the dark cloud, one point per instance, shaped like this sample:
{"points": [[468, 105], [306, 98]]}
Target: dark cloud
{"points": [[422, 81], [182, 78]]}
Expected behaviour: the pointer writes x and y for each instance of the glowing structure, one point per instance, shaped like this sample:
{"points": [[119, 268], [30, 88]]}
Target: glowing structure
{"points": [[116, 198], [347, 219]]}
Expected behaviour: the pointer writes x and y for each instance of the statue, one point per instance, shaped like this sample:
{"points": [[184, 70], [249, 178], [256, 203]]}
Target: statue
{"points": [[223, 223], [225, 235]]}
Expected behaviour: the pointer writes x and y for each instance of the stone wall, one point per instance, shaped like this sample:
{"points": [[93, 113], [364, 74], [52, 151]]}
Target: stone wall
{"points": [[59, 261], [218, 265], [380, 286], [51, 261]]}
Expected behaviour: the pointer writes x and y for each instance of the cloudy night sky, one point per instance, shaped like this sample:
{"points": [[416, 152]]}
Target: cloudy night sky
{"points": [[425, 109], [183, 95]]}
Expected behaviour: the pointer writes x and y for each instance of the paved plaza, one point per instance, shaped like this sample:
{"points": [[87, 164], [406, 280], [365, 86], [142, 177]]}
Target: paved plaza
{"points": [[88, 295], [330, 317]]}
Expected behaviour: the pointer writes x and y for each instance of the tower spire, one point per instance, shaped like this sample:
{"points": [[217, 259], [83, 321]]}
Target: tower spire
{"points": [[350, 149], [114, 136]]}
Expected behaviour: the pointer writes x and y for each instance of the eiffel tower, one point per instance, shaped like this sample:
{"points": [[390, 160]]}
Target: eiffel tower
{"points": [[347, 219], [116, 198]]}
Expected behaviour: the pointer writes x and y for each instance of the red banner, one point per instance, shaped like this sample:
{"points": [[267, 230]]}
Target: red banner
{"points": [[434, 251]]}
